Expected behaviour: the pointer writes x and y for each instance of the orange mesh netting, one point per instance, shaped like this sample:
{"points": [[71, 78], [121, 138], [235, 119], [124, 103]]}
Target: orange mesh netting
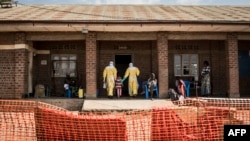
{"points": [[195, 120]]}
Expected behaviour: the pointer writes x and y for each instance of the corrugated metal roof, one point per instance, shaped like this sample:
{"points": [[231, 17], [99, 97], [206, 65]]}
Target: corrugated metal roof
{"points": [[126, 13]]}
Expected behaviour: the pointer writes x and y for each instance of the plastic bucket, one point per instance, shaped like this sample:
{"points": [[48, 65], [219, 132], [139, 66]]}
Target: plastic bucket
{"points": [[80, 93]]}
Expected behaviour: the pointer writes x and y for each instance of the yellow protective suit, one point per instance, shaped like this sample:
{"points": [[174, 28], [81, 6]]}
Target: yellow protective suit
{"points": [[109, 76], [132, 73]]}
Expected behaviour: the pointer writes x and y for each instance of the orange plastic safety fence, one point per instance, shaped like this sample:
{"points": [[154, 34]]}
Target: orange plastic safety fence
{"points": [[194, 120]]}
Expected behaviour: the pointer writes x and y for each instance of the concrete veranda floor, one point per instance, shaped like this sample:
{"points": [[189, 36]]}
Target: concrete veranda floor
{"points": [[124, 104]]}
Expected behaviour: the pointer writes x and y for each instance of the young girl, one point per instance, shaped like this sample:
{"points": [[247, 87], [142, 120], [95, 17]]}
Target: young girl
{"points": [[118, 86]]}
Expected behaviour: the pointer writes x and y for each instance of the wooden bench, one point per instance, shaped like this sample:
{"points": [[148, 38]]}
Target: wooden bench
{"points": [[7, 3]]}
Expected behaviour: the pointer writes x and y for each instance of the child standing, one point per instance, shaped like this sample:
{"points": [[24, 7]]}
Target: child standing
{"points": [[118, 86]]}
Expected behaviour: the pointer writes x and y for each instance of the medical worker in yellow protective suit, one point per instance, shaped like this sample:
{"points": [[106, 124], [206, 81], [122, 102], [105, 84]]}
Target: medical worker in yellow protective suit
{"points": [[132, 72], [109, 77]]}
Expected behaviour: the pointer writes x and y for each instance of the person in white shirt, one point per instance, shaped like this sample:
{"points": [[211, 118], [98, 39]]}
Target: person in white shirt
{"points": [[152, 82], [205, 81]]}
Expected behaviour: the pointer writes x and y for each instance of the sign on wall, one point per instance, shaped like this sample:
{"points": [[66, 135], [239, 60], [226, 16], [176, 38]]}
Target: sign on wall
{"points": [[43, 62]]}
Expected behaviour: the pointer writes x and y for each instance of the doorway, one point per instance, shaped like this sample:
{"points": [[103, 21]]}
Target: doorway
{"points": [[121, 64], [244, 75]]}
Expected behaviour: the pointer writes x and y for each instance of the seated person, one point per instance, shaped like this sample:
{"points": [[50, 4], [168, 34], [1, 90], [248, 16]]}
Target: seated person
{"points": [[181, 89], [152, 82]]}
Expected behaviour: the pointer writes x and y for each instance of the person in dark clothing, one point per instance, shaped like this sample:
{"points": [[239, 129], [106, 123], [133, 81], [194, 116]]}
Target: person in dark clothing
{"points": [[67, 86]]}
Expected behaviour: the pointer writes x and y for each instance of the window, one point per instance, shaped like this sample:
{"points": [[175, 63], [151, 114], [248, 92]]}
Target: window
{"points": [[62, 64], [186, 65]]}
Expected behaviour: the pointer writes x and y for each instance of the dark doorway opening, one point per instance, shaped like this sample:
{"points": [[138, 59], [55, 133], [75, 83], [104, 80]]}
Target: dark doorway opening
{"points": [[244, 69], [121, 64]]}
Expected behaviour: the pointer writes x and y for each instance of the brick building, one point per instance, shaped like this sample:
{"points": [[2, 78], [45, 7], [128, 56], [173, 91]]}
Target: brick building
{"points": [[40, 43]]}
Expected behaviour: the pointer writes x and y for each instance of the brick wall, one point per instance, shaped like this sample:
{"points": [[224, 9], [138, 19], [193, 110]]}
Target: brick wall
{"points": [[14, 73], [218, 65], [7, 39], [21, 66], [21, 73], [233, 67], [162, 51], [91, 64], [7, 71], [7, 66], [14, 65]]}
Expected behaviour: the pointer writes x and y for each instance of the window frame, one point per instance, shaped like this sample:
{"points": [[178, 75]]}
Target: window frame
{"points": [[189, 60], [64, 60]]}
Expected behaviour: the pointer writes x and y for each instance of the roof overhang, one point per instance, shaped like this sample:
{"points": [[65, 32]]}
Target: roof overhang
{"points": [[21, 26]]}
